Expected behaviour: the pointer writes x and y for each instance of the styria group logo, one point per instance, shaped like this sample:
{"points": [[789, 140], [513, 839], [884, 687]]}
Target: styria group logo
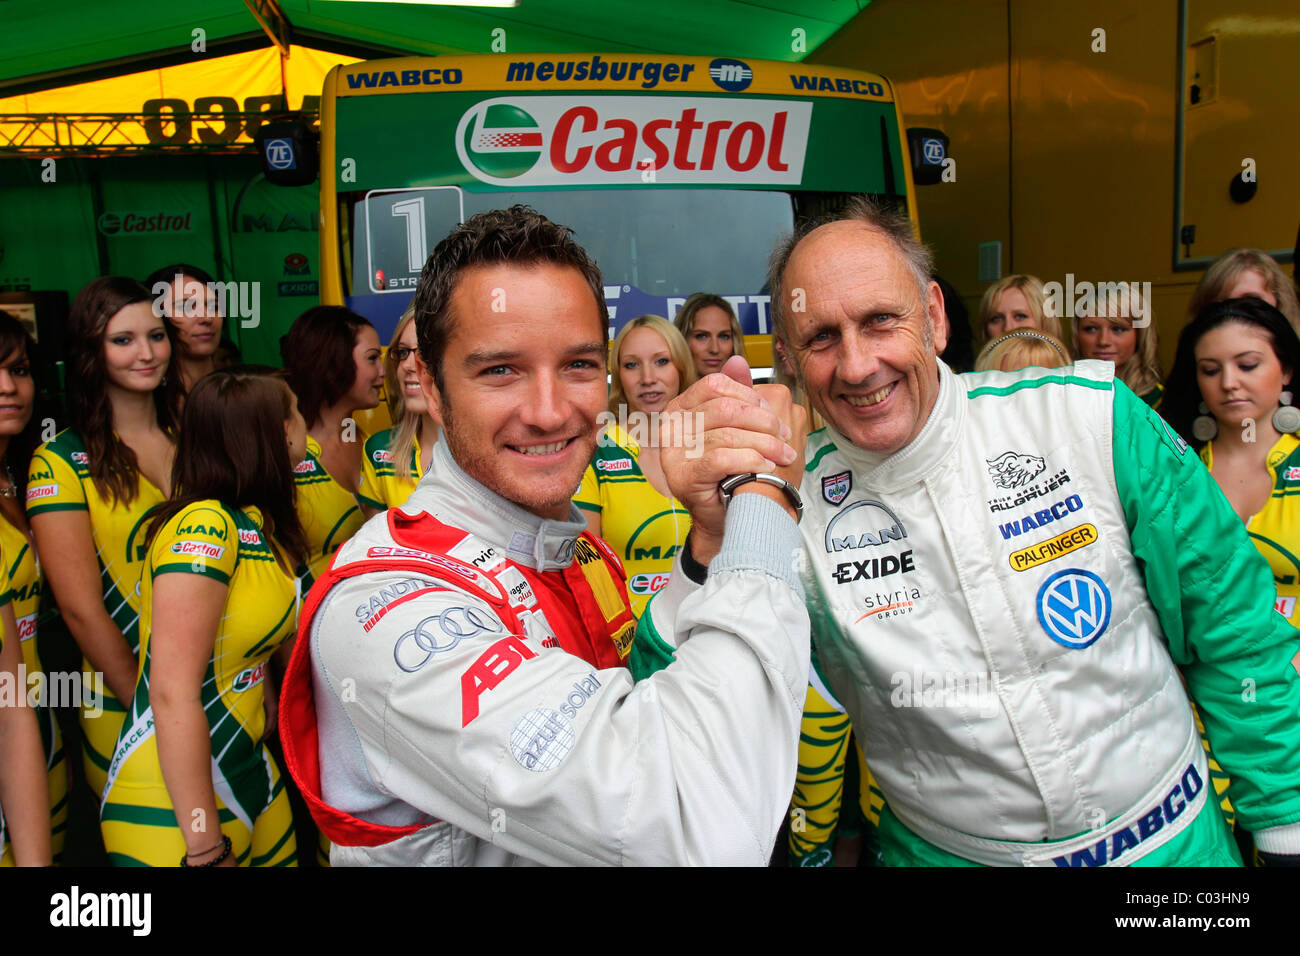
{"points": [[499, 140]]}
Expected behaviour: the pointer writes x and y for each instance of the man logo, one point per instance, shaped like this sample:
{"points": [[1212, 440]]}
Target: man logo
{"points": [[731, 75], [1012, 470], [876, 525], [835, 488], [499, 140], [1074, 607]]}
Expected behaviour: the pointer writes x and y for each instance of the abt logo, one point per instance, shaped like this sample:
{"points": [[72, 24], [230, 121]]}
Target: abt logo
{"points": [[496, 664], [565, 141]]}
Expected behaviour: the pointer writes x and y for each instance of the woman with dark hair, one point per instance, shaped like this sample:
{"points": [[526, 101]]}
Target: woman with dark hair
{"points": [[187, 298], [18, 437], [397, 457], [711, 329], [332, 358], [24, 810], [219, 597], [90, 487], [1230, 396]]}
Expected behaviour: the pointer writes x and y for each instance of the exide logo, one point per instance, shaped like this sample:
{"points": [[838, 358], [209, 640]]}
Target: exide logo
{"points": [[561, 140]]}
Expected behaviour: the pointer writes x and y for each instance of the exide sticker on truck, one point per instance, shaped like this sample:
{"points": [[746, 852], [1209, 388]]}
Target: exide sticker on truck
{"points": [[569, 141]]}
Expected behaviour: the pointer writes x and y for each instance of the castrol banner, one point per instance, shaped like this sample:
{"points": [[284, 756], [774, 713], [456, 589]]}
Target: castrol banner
{"points": [[521, 142]]}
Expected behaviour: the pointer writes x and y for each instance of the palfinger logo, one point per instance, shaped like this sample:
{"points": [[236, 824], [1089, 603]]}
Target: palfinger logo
{"points": [[499, 139]]}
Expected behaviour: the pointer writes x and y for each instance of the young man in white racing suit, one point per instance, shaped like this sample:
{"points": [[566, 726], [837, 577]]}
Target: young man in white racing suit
{"points": [[458, 693], [1006, 574]]}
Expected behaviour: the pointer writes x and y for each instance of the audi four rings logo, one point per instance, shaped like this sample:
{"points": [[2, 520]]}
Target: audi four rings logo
{"points": [[440, 633]]}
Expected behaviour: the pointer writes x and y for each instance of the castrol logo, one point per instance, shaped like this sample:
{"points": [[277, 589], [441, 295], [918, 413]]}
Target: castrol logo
{"points": [[632, 140]]}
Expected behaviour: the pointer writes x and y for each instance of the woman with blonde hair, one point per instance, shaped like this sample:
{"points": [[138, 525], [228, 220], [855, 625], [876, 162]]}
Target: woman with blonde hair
{"points": [[1240, 272], [1016, 302], [711, 329], [624, 493], [396, 458], [1111, 335], [1022, 348]]}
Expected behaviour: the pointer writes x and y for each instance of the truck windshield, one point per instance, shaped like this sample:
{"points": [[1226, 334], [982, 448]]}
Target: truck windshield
{"points": [[663, 242]]}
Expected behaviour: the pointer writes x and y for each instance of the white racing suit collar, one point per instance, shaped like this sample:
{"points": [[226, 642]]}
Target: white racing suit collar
{"points": [[449, 494], [934, 444]]}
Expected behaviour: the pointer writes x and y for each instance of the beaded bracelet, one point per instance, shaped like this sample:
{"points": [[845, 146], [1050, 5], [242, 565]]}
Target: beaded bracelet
{"points": [[225, 843]]}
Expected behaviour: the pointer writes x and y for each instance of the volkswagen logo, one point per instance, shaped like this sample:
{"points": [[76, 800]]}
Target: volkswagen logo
{"points": [[1074, 607]]}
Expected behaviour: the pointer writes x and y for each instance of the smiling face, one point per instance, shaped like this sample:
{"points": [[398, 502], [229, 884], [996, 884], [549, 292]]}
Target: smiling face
{"points": [[17, 392], [136, 349], [407, 359], [1114, 340], [646, 371], [1012, 312], [367, 357], [710, 339], [193, 313], [1239, 373], [866, 344], [522, 388]]}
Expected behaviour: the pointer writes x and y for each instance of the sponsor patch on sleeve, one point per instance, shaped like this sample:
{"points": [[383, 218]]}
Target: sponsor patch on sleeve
{"points": [[37, 492], [203, 549]]}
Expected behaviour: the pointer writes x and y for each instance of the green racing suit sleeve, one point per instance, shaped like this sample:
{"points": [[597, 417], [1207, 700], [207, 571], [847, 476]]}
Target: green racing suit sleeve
{"points": [[1213, 593]]}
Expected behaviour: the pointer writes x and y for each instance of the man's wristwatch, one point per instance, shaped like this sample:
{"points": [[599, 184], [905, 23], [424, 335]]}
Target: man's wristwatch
{"points": [[727, 487]]}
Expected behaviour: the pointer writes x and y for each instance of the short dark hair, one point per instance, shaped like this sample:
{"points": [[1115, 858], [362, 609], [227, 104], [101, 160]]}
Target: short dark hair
{"points": [[874, 213], [15, 341], [519, 235], [168, 274], [1182, 396], [317, 354]]}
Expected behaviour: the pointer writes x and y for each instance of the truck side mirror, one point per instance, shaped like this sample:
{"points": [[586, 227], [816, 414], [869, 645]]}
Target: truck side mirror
{"points": [[289, 153], [929, 149]]}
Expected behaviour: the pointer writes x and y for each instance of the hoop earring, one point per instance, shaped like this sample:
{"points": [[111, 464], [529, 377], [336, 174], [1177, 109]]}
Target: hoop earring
{"points": [[1287, 417], [1204, 427]]}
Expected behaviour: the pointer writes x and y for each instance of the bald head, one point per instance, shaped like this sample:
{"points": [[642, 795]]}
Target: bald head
{"points": [[864, 214]]}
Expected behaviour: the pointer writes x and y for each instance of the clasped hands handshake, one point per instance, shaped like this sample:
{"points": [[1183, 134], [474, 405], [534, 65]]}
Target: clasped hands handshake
{"points": [[733, 427]]}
